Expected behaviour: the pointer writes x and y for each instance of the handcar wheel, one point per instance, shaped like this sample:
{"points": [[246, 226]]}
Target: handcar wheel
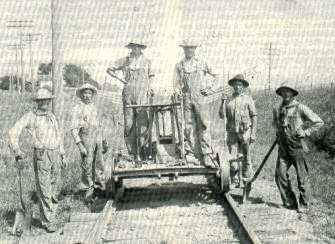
{"points": [[224, 173], [112, 183]]}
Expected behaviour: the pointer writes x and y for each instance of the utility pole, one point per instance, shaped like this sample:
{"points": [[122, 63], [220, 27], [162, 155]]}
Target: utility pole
{"points": [[56, 64], [20, 24], [271, 52], [30, 39]]}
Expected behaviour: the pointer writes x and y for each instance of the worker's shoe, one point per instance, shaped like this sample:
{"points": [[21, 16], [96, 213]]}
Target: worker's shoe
{"points": [[247, 175], [208, 162], [234, 185], [89, 195], [191, 159], [302, 209], [82, 187], [291, 206], [51, 227]]}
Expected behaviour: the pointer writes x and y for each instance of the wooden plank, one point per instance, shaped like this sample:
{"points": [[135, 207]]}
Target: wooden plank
{"points": [[101, 224], [163, 172]]}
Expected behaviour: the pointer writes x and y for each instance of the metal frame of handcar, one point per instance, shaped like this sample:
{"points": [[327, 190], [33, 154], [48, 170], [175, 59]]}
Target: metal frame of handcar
{"points": [[221, 172]]}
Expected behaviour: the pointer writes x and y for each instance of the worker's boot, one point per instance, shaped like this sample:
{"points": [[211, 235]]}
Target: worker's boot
{"points": [[191, 159], [89, 195], [208, 161], [51, 227]]}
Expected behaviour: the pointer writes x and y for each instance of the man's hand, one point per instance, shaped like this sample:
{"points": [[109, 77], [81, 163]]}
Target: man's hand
{"points": [[150, 93], [20, 164], [222, 108], [301, 133], [104, 146], [205, 91], [221, 112], [252, 138], [64, 161], [178, 95], [82, 149]]}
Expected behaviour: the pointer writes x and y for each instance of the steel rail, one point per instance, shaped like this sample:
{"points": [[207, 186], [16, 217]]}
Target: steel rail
{"points": [[245, 233]]}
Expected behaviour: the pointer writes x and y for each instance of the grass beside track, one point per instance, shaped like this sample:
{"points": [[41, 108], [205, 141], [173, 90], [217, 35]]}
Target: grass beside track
{"points": [[321, 164]]}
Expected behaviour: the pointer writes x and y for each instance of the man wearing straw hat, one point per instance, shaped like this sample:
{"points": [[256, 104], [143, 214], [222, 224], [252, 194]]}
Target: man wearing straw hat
{"points": [[48, 154], [136, 69], [241, 127], [87, 134], [189, 80], [289, 119]]}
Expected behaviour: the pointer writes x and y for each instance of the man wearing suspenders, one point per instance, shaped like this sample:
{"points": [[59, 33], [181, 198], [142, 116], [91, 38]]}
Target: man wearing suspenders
{"points": [[189, 81], [48, 154]]}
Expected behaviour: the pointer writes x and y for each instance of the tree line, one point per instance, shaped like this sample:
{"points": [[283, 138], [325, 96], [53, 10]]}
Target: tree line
{"points": [[73, 75]]}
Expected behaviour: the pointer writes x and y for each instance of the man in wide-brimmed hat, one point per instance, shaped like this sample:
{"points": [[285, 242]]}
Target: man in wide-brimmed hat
{"points": [[87, 134], [47, 141], [137, 72], [241, 126], [190, 83], [289, 119]]}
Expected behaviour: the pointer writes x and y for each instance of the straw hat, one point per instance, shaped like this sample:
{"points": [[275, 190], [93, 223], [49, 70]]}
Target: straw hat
{"points": [[84, 87], [189, 43], [285, 85], [238, 77], [136, 44], [43, 94]]}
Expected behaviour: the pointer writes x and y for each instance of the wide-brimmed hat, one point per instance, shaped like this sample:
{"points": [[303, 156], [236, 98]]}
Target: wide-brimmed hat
{"points": [[135, 44], [84, 87], [43, 94], [238, 77], [285, 85], [189, 43]]}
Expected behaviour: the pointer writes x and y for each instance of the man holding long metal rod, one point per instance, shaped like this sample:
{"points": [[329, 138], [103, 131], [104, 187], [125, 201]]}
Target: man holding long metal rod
{"points": [[138, 77], [48, 154], [189, 81], [289, 119]]}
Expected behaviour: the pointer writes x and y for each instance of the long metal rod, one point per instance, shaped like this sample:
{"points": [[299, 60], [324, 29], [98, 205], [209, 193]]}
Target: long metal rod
{"points": [[111, 73], [152, 105], [247, 187], [182, 118], [21, 192]]}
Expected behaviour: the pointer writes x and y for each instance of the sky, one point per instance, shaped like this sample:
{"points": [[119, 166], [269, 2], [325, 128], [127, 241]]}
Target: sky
{"points": [[234, 35]]}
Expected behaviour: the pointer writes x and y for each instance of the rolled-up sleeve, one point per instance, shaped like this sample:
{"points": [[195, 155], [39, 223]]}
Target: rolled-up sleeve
{"points": [[76, 123], [309, 115], [177, 84], [15, 132], [252, 107], [60, 133], [119, 64], [150, 70]]}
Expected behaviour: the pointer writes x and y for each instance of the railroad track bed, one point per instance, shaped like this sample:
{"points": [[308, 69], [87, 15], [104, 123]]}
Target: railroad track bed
{"points": [[170, 213], [184, 212]]}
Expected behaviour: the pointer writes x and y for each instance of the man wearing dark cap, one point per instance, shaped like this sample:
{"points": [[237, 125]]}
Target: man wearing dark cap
{"points": [[189, 80], [241, 127], [289, 119], [138, 74]]}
